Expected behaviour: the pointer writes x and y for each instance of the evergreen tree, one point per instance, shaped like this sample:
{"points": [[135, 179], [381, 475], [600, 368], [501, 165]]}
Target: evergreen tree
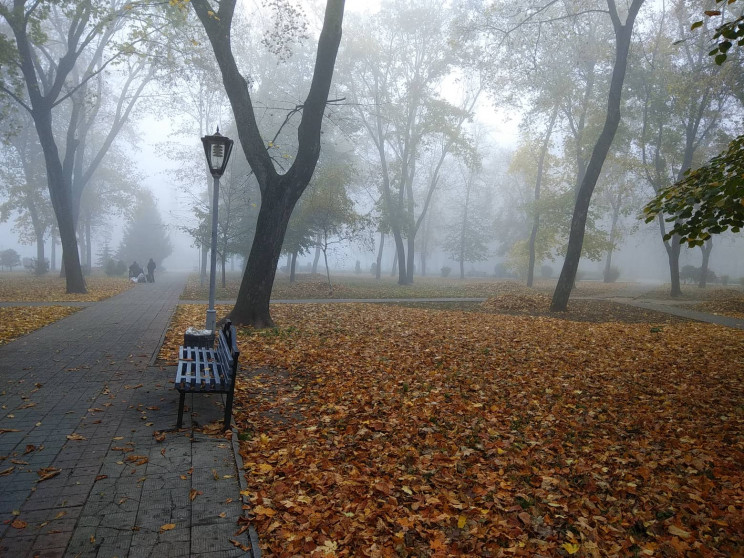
{"points": [[145, 236]]}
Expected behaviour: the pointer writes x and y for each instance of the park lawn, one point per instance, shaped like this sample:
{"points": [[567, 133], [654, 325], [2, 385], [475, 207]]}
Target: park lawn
{"points": [[16, 321], [386, 431], [23, 287]]}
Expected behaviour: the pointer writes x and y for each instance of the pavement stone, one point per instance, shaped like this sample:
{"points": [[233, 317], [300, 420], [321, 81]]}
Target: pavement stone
{"points": [[82, 399]]}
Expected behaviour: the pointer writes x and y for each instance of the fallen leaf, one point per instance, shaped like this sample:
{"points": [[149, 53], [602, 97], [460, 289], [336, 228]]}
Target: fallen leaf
{"points": [[167, 527], [47, 473], [678, 531]]}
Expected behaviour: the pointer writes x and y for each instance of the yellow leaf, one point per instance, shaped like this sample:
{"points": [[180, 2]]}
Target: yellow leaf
{"points": [[461, 521], [167, 527], [264, 468], [674, 530], [571, 548], [262, 510]]}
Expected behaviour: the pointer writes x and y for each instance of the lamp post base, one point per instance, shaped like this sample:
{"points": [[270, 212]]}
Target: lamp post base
{"points": [[212, 320]]}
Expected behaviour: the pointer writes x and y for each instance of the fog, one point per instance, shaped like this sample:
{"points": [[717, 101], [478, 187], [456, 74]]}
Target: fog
{"points": [[435, 102]]}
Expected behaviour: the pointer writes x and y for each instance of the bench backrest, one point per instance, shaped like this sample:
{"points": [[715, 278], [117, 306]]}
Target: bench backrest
{"points": [[227, 351]]}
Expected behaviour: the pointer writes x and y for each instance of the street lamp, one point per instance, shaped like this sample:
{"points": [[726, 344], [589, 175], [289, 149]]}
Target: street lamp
{"points": [[217, 149]]}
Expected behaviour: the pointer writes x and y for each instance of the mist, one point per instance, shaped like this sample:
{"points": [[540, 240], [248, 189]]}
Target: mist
{"points": [[457, 130]]}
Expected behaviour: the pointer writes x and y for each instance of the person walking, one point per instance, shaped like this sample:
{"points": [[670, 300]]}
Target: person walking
{"points": [[151, 271]]}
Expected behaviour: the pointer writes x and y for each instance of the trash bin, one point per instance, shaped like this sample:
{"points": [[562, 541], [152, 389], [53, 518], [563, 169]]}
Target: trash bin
{"points": [[203, 338]]}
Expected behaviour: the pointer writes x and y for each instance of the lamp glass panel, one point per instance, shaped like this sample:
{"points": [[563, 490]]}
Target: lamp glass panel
{"points": [[218, 155]]}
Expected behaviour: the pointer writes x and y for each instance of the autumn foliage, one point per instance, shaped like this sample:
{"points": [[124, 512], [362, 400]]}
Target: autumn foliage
{"points": [[16, 321], [373, 430]]}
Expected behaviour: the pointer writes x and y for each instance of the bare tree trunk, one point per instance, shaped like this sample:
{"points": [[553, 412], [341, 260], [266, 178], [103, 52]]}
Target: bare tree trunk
{"points": [[88, 247], [328, 271], [317, 256], [279, 193], [378, 270], [613, 234], [292, 267], [395, 265], [623, 33], [54, 249], [538, 186], [706, 248]]}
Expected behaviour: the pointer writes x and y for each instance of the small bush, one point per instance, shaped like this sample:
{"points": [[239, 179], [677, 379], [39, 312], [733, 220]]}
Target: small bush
{"points": [[37, 267], [114, 268], [446, 270]]}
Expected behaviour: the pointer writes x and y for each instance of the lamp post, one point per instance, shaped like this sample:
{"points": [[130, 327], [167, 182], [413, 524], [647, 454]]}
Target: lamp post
{"points": [[217, 149]]}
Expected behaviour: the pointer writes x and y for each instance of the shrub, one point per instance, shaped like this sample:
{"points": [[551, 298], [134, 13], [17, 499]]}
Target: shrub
{"points": [[40, 267], [114, 268], [446, 270]]}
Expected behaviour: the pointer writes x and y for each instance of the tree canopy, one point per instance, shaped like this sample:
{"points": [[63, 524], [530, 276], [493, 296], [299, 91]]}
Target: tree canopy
{"points": [[708, 200]]}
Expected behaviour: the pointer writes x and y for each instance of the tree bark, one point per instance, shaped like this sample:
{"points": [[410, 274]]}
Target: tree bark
{"points": [[42, 100], [613, 235], [623, 33], [538, 186], [378, 270], [317, 257], [279, 193], [706, 248], [292, 267]]}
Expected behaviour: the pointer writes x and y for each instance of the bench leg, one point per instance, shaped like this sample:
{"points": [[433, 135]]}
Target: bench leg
{"points": [[180, 410], [228, 410]]}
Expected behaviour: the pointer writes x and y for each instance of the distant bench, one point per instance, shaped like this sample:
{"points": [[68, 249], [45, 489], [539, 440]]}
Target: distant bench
{"points": [[207, 370]]}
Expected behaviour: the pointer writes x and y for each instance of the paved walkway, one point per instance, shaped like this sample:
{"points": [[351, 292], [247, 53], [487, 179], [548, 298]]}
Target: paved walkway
{"points": [[90, 463]]}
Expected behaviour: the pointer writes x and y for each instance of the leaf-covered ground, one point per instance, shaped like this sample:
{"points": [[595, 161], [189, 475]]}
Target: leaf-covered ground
{"points": [[726, 302], [18, 287], [387, 431], [309, 286], [16, 321]]}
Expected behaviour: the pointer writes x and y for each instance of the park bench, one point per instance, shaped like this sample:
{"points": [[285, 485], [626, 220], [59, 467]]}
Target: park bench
{"points": [[208, 370]]}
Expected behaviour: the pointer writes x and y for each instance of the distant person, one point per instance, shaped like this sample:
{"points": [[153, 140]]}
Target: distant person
{"points": [[135, 269], [151, 271]]}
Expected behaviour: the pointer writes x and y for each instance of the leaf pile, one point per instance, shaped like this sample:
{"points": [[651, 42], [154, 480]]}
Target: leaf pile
{"points": [[51, 288], [527, 303], [16, 321], [725, 302], [387, 431]]}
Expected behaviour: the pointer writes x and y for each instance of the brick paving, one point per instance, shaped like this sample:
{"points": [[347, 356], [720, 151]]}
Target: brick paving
{"points": [[82, 399]]}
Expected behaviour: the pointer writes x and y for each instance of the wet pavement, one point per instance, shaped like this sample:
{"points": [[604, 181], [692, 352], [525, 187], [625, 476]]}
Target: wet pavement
{"points": [[91, 464]]}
